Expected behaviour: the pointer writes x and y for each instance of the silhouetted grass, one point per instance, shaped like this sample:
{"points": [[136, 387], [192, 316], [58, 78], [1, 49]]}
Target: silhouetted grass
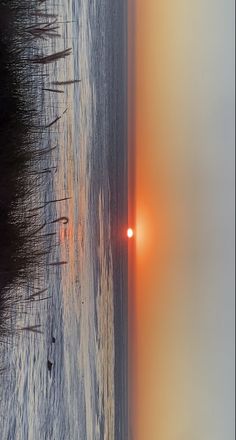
{"points": [[24, 244]]}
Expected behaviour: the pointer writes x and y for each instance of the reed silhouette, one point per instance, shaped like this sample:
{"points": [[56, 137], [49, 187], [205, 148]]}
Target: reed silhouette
{"points": [[24, 240]]}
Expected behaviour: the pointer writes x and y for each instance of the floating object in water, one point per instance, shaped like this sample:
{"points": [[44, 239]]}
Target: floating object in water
{"points": [[50, 364]]}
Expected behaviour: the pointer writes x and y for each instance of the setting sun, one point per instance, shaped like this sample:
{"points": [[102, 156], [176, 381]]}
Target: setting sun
{"points": [[130, 233]]}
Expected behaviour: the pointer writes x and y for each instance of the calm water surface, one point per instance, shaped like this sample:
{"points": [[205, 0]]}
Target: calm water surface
{"points": [[85, 395]]}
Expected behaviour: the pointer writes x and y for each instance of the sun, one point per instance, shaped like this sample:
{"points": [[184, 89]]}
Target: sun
{"points": [[130, 233]]}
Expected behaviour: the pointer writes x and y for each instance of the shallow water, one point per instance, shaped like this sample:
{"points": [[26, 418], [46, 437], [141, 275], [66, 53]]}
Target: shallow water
{"points": [[85, 395]]}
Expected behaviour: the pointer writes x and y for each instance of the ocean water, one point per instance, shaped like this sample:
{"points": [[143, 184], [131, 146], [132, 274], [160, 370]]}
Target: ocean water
{"points": [[85, 395]]}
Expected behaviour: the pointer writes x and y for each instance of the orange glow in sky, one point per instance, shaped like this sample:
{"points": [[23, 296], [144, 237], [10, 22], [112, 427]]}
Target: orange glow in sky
{"points": [[180, 96]]}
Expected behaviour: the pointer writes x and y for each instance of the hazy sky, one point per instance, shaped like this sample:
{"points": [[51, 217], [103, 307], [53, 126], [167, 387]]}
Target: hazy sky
{"points": [[183, 367]]}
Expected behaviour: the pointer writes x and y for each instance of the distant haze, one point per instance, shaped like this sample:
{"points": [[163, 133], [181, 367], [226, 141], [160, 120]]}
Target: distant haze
{"points": [[184, 138]]}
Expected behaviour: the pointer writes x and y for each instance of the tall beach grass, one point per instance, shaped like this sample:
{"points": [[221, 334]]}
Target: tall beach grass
{"points": [[24, 239]]}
